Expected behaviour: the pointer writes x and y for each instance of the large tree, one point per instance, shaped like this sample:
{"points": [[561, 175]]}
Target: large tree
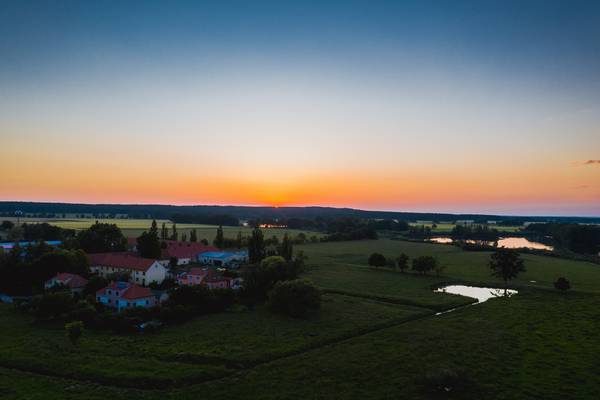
{"points": [[219, 239], [286, 249], [148, 245], [256, 246], [424, 264], [101, 238], [506, 264]]}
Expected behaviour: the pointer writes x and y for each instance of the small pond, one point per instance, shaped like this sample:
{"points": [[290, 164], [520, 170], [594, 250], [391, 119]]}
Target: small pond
{"points": [[480, 293], [507, 242]]}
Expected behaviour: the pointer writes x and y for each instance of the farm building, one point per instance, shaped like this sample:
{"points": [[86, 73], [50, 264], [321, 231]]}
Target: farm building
{"points": [[209, 277], [222, 258], [141, 271], [74, 282], [7, 246], [185, 252], [122, 295]]}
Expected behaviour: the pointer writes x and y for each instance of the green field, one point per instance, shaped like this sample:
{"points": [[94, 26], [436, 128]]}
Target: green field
{"points": [[135, 227], [380, 339], [445, 227]]}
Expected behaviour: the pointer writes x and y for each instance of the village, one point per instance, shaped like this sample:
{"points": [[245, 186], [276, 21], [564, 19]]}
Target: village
{"points": [[131, 276]]}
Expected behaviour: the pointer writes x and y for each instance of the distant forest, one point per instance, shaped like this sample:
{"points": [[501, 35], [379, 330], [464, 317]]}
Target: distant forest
{"points": [[230, 215]]}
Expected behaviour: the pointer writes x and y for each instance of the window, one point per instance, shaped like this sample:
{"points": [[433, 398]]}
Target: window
{"points": [[147, 301], [109, 292]]}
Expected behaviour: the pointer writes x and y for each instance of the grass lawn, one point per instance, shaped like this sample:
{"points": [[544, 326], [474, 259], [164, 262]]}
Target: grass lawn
{"points": [[536, 345], [343, 266], [539, 344], [207, 347]]}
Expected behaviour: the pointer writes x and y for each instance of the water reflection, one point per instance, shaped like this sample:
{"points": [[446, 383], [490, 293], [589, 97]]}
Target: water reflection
{"points": [[480, 293], [507, 242]]}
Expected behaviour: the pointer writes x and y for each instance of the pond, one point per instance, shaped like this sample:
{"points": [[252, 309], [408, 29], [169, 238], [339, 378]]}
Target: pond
{"points": [[507, 242], [480, 293]]}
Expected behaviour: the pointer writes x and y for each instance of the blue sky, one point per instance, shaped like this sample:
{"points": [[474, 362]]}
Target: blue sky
{"points": [[487, 106]]}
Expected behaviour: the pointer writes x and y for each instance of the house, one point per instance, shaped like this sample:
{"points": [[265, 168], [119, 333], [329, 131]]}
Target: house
{"points": [[142, 271], [208, 277], [184, 252], [217, 281], [222, 258], [74, 282], [123, 295], [195, 276]]}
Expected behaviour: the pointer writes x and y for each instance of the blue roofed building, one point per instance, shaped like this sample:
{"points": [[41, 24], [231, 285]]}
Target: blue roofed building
{"points": [[223, 259]]}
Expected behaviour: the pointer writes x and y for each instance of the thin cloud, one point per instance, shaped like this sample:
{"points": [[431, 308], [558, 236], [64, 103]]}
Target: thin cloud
{"points": [[592, 162]]}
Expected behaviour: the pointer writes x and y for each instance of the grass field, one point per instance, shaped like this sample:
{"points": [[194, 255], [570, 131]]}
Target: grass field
{"points": [[380, 340], [443, 228], [135, 227]]}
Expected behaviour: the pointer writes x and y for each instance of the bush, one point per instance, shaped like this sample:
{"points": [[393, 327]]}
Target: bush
{"points": [[84, 312], [562, 284], [74, 331], [377, 260], [424, 264], [52, 305], [295, 298]]}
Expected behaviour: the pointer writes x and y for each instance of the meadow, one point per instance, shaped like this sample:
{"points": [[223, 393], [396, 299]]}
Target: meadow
{"points": [[443, 228], [135, 227], [377, 336]]}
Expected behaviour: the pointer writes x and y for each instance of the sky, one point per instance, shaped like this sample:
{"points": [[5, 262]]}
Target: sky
{"points": [[470, 106]]}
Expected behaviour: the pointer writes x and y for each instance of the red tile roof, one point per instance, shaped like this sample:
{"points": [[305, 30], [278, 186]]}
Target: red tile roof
{"points": [[137, 292], [131, 290], [73, 281], [121, 260], [197, 271], [184, 249]]}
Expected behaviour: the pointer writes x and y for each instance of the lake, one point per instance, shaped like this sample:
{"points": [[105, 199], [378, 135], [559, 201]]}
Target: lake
{"points": [[506, 242], [480, 293]]}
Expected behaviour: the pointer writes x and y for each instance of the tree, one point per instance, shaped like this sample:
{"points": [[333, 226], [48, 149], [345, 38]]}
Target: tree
{"points": [[174, 235], [506, 264], [74, 331], [154, 228], [286, 249], [193, 236], [102, 238], [164, 233], [377, 260], [238, 240], [6, 225], [439, 268], [148, 245], [256, 246], [295, 298], [183, 237], [424, 264], [219, 240], [562, 284], [52, 305], [94, 284], [204, 241], [402, 261]]}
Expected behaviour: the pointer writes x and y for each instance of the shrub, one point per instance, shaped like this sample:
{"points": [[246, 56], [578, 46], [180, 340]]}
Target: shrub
{"points": [[295, 298], [424, 264], [74, 331], [562, 284], [52, 305], [377, 260]]}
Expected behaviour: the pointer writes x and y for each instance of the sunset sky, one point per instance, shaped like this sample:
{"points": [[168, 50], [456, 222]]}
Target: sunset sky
{"points": [[469, 106]]}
